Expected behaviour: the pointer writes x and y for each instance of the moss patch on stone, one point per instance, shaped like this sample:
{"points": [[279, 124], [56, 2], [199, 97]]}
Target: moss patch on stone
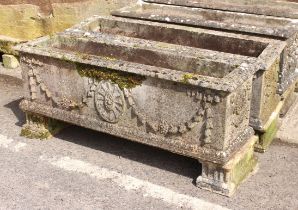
{"points": [[40, 127], [187, 77], [267, 137], [122, 79], [31, 134], [244, 167]]}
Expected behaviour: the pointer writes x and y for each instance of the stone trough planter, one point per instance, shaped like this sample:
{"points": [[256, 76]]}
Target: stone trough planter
{"points": [[147, 82], [274, 28], [277, 8]]}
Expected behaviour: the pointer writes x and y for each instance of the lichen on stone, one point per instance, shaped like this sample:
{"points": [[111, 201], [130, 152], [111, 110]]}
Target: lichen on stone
{"points": [[40, 127], [187, 77], [30, 134], [122, 79]]}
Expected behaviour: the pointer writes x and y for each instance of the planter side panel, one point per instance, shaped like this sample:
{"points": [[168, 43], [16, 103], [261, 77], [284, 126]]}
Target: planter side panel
{"points": [[237, 114], [174, 116], [265, 97]]}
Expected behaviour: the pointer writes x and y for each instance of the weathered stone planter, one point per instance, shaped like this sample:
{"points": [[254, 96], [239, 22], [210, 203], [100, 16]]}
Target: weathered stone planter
{"points": [[273, 27], [144, 82], [265, 101], [277, 8]]}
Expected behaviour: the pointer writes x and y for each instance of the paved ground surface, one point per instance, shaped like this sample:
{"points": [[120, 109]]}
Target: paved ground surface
{"points": [[83, 169], [288, 131]]}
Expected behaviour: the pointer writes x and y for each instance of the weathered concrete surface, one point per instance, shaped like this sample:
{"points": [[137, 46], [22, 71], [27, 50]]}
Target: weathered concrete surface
{"points": [[288, 131], [279, 8], [270, 26], [16, 73], [63, 173]]}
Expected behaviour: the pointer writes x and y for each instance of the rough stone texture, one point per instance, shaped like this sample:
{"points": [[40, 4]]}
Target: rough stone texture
{"points": [[24, 171], [29, 19], [270, 26], [156, 90], [225, 179], [269, 133], [265, 86], [10, 61], [40, 127], [265, 98], [288, 99], [279, 8]]}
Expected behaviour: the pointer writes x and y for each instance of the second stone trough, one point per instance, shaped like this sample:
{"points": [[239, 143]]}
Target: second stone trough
{"points": [[273, 90]]}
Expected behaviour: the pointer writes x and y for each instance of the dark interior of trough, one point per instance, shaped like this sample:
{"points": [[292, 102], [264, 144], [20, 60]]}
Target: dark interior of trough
{"points": [[184, 37], [111, 52]]}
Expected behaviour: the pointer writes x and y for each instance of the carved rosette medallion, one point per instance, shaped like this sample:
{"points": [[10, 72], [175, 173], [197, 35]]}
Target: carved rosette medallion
{"points": [[109, 101]]}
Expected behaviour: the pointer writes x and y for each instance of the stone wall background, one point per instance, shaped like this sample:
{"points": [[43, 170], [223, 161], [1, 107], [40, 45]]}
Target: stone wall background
{"points": [[29, 19]]}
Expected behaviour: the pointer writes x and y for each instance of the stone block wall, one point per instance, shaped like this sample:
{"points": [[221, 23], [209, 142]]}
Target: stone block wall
{"points": [[29, 19]]}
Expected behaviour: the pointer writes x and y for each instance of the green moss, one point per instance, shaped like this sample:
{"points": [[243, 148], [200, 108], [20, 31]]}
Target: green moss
{"points": [[41, 127], [187, 77], [28, 133], [244, 167], [266, 138], [122, 79]]}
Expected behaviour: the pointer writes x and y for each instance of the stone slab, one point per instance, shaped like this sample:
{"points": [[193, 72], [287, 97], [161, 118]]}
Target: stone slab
{"points": [[30, 19], [10, 61], [278, 8]]}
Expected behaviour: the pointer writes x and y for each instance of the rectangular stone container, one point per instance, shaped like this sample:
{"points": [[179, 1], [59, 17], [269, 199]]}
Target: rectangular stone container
{"points": [[277, 8], [147, 82], [267, 95]]}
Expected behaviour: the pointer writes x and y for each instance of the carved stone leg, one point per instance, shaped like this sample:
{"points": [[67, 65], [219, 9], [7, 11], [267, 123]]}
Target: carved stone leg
{"points": [[40, 127], [224, 179]]}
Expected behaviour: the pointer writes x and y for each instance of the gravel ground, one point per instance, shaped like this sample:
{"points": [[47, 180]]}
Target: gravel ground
{"points": [[83, 169]]}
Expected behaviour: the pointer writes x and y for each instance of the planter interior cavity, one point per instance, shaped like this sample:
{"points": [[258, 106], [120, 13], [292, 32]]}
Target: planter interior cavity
{"points": [[224, 20], [140, 53], [274, 28], [174, 48], [177, 36]]}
